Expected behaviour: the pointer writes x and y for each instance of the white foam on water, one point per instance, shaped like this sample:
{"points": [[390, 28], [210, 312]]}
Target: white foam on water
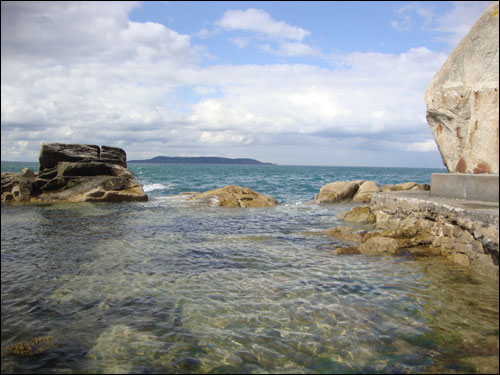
{"points": [[150, 187]]}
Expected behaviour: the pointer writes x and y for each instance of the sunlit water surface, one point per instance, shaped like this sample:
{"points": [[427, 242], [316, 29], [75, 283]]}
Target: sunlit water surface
{"points": [[166, 286]]}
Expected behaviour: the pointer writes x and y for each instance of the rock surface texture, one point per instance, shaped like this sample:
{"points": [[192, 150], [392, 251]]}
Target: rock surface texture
{"points": [[359, 190], [414, 223], [234, 196], [462, 101], [74, 173]]}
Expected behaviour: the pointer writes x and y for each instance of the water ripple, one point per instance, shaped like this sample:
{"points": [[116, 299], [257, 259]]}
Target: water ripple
{"points": [[166, 287]]}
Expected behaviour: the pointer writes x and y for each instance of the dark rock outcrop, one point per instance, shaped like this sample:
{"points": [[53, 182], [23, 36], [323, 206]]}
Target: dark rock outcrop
{"points": [[53, 153], [113, 155], [74, 173]]}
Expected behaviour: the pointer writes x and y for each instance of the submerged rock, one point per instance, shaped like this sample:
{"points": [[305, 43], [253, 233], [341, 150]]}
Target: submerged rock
{"points": [[346, 234], [116, 345], [234, 196], [74, 173], [349, 250], [28, 349]]}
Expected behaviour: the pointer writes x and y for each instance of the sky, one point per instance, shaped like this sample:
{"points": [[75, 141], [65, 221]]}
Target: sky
{"points": [[293, 83]]}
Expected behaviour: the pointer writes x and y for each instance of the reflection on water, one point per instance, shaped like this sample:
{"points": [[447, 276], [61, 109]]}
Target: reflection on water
{"points": [[166, 287]]}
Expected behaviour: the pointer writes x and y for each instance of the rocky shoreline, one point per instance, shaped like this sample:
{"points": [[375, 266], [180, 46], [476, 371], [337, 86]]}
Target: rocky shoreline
{"points": [[399, 219], [416, 224]]}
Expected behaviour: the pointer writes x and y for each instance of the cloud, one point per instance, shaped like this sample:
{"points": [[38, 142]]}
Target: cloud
{"points": [[226, 138], [454, 24], [457, 23], [61, 32], [203, 33], [425, 146], [290, 49], [84, 74], [413, 15], [240, 42], [288, 39], [257, 20], [376, 93]]}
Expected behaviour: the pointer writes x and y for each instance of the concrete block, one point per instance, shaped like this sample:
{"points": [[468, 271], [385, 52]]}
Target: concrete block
{"points": [[479, 187]]}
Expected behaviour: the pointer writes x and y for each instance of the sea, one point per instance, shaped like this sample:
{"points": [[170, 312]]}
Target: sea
{"points": [[166, 286]]}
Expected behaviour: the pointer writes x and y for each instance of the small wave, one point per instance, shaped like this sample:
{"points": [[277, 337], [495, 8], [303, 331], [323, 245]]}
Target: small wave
{"points": [[150, 187], [306, 203]]}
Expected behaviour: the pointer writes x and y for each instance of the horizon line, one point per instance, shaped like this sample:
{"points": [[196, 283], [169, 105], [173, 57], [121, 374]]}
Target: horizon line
{"points": [[265, 165]]}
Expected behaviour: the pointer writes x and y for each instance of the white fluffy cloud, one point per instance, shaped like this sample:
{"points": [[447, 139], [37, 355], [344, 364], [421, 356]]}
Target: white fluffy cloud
{"points": [[84, 73], [289, 39], [377, 93], [257, 20]]}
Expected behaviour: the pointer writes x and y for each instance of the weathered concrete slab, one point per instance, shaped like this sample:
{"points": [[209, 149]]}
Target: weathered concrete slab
{"points": [[465, 186]]}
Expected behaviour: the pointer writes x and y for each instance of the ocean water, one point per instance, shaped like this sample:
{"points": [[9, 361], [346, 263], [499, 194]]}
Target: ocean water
{"points": [[165, 286]]}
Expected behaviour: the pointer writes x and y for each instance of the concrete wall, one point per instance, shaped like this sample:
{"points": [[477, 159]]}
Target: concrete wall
{"points": [[465, 186]]}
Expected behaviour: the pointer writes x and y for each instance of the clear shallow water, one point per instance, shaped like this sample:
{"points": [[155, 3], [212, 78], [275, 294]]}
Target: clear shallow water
{"points": [[165, 286]]}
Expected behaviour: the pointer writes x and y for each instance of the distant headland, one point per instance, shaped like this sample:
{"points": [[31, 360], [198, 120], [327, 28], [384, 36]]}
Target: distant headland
{"points": [[200, 160]]}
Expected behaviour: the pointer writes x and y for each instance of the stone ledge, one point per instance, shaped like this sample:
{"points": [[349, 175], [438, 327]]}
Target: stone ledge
{"points": [[474, 210], [464, 231]]}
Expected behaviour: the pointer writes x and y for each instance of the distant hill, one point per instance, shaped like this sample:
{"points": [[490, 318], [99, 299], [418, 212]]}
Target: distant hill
{"points": [[199, 160]]}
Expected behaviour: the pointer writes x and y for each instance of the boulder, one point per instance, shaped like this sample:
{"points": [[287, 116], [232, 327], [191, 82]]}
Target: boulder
{"points": [[380, 245], [349, 250], [337, 191], [53, 153], [360, 190], [86, 178], [365, 191], [346, 234], [359, 214], [462, 100], [28, 173], [234, 196]]}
